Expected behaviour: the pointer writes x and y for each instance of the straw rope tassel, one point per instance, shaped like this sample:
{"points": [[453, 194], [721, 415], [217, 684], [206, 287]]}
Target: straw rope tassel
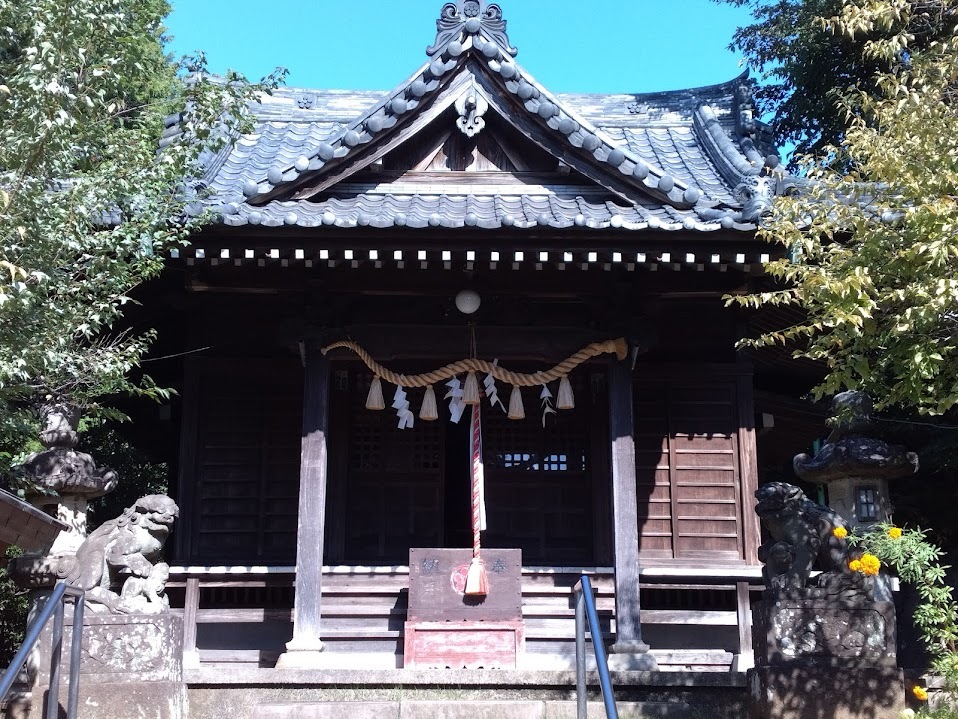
{"points": [[374, 400], [565, 400], [477, 584], [429, 411]]}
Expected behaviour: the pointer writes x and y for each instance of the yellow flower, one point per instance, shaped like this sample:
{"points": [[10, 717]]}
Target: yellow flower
{"points": [[895, 532], [921, 694], [855, 565], [840, 532], [870, 564]]}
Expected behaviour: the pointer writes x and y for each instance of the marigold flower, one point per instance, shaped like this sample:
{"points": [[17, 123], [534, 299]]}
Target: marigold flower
{"points": [[870, 564], [921, 694], [894, 532], [840, 532], [855, 565]]}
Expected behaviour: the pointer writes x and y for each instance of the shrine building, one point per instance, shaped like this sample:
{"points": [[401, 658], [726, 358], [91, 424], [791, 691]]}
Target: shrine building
{"points": [[471, 214]]}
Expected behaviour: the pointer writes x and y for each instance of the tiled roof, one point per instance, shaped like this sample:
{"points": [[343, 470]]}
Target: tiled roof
{"points": [[691, 159]]}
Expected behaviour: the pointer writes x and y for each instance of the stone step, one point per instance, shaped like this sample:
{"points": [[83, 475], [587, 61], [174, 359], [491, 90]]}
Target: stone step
{"points": [[450, 709]]}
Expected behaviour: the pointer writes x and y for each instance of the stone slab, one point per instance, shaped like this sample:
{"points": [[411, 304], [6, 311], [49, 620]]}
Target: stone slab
{"points": [[809, 692], [256, 677], [329, 710], [130, 700], [471, 710], [637, 710]]}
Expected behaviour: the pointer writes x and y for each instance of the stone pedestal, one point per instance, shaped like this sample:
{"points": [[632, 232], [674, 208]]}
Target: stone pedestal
{"points": [[824, 633], [821, 658], [131, 666]]}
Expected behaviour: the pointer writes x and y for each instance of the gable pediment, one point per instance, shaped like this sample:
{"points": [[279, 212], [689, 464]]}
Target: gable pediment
{"points": [[470, 77]]}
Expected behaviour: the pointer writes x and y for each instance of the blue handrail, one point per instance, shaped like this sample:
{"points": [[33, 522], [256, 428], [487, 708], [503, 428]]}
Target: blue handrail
{"points": [[54, 607], [585, 609]]}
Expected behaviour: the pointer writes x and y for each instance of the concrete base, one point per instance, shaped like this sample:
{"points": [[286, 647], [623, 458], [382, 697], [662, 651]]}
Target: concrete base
{"points": [[641, 662], [472, 710], [808, 692], [304, 660]]}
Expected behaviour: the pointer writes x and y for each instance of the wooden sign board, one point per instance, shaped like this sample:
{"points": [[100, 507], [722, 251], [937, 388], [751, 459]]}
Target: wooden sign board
{"points": [[437, 579]]}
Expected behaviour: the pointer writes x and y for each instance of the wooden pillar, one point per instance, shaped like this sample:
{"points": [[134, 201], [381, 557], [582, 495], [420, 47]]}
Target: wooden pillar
{"points": [[625, 525], [303, 650]]}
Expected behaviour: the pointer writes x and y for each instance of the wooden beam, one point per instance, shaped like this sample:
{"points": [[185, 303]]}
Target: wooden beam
{"points": [[302, 649], [625, 532], [748, 465]]}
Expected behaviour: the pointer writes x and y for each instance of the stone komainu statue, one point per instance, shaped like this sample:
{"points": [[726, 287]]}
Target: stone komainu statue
{"points": [[803, 539], [126, 549]]}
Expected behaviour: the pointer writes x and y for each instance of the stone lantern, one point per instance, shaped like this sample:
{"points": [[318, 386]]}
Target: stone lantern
{"points": [[72, 478], [856, 466]]}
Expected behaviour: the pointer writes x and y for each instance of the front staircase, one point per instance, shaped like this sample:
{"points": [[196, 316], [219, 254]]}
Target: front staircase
{"points": [[241, 620], [242, 617]]}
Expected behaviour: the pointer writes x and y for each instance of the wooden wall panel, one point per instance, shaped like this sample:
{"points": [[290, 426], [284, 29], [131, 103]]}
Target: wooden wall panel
{"points": [[688, 466], [243, 478]]}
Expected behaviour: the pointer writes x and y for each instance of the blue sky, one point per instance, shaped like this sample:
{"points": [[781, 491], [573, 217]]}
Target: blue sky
{"points": [[583, 46]]}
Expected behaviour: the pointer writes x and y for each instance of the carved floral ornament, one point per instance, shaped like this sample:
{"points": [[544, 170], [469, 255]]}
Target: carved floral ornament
{"points": [[472, 16]]}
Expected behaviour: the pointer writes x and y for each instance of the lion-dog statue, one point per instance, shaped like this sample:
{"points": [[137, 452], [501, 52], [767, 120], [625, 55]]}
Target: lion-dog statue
{"points": [[126, 549], [802, 539]]}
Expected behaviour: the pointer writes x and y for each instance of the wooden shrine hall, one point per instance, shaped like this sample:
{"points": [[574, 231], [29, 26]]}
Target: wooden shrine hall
{"points": [[472, 214]]}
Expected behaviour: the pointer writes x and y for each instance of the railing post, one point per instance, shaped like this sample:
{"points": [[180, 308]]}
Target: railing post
{"points": [[76, 647], [581, 695], [745, 657], [191, 605], [601, 659], [56, 645]]}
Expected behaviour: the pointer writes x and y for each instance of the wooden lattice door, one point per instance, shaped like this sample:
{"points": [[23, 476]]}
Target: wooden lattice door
{"points": [[539, 481], [393, 497]]}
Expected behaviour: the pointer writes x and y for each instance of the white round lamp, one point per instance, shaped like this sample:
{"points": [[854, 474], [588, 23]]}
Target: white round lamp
{"points": [[468, 302]]}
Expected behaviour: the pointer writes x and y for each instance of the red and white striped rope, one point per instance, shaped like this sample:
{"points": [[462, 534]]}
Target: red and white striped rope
{"points": [[478, 498]]}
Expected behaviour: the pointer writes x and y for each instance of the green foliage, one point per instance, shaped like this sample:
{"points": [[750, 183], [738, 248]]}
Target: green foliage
{"points": [[139, 475], [917, 562], [87, 205], [873, 251], [14, 606], [806, 66]]}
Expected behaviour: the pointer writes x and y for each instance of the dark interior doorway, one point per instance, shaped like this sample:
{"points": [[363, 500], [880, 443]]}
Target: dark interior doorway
{"points": [[397, 489]]}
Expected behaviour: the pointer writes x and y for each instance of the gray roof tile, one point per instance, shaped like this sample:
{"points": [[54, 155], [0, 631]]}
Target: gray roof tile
{"points": [[687, 139]]}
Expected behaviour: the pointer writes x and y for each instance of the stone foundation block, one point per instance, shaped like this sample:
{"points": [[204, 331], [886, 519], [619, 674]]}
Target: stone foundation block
{"points": [[822, 692], [824, 633]]}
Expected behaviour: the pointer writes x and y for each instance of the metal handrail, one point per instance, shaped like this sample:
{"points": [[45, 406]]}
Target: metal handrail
{"points": [[54, 607], [585, 608]]}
